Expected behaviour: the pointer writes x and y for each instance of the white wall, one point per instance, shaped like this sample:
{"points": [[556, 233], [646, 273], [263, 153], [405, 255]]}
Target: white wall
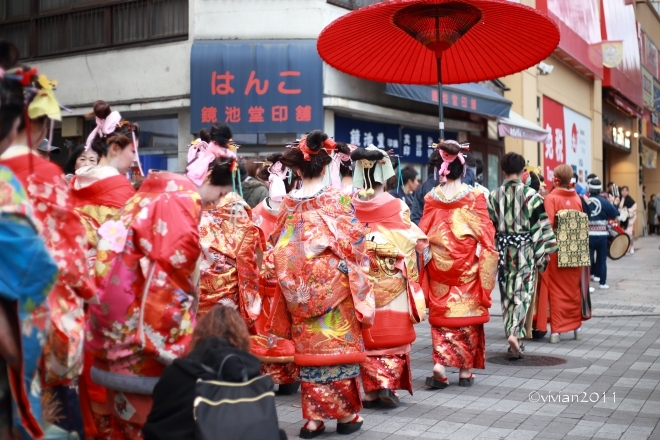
{"points": [[121, 75], [261, 19]]}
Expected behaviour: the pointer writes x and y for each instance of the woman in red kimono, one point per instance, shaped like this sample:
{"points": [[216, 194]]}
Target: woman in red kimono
{"points": [[275, 354], [459, 268], [392, 243], [324, 295], [148, 272], [228, 271], [99, 191], [64, 236], [561, 288]]}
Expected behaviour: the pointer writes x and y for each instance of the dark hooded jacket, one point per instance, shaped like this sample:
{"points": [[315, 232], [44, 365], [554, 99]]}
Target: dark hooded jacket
{"points": [[171, 417]]}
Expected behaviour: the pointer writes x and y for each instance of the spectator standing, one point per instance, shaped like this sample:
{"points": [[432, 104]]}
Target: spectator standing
{"points": [[410, 183]]}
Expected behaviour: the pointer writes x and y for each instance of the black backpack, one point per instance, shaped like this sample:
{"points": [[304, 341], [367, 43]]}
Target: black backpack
{"points": [[235, 410]]}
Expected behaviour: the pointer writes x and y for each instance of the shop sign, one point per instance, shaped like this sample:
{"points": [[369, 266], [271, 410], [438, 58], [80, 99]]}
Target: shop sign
{"points": [[256, 86], [647, 89], [569, 143], [649, 157], [619, 138], [412, 144]]}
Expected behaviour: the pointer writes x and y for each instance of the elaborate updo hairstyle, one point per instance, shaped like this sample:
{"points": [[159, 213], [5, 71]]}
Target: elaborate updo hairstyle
{"points": [[122, 136], [535, 181], [455, 168], [513, 163], [319, 159], [205, 135], [346, 166], [12, 103], [264, 174], [220, 133], [563, 176], [369, 173], [222, 170]]}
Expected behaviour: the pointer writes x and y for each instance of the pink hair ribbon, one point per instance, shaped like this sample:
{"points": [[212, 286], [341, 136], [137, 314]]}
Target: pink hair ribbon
{"points": [[104, 126], [337, 159], [446, 160], [276, 189], [199, 166]]}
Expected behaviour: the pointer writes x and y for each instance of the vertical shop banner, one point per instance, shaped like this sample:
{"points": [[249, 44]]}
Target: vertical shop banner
{"points": [[577, 129], [256, 86], [570, 141], [649, 157], [647, 89]]}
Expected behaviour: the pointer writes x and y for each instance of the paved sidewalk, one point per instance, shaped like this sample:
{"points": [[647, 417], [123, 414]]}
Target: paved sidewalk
{"points": [[618, 356]]}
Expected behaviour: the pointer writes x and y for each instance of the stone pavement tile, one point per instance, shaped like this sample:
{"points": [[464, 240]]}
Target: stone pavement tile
{"points": [[636, 433], [586, 428], [521, 434], [370, 435], [645, 422], [445, 427], [494, 434], [610, 430]]}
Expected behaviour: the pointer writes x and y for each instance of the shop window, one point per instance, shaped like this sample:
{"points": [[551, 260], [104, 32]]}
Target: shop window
{"points": [[50, 27]]}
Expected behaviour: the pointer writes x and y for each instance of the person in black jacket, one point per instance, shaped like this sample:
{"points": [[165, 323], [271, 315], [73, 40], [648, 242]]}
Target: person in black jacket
{"points": [[220, 333]]}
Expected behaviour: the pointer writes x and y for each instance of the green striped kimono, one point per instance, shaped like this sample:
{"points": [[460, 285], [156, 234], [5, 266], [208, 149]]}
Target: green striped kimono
{"points": [[524, 239]]}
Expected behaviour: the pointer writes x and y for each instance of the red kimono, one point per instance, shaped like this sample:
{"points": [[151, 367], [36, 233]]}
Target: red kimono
{"points": [[459, 273], [64, 236], [147, 271], [228, 270], [98, 194], [392, 243], [560, 288], [324, 298], [275, 354]]}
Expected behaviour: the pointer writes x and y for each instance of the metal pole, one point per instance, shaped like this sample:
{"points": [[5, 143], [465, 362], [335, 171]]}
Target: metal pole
{"points": [[441, 123]]}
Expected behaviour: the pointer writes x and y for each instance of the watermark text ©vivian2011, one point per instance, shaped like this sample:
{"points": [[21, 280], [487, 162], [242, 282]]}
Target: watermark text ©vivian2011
{"points": [[582, 397]]}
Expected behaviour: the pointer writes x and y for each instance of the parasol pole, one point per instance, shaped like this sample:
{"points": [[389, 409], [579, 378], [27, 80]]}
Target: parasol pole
{"points": [[441, 123]]}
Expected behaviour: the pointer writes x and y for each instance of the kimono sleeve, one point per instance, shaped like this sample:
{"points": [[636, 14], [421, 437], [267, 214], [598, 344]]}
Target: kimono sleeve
{"points": [[543, 237], [488, 257], [63, 233], [350, 245], [166, 231], [248, 273]]}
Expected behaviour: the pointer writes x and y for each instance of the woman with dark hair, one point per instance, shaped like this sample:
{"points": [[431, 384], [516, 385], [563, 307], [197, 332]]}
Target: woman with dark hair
{"points": [[147, 272], [254, 190], [80, 158], [99, 190], [345, 166], [64, 236], [628, 215], [325, 295], [219, 334], [23, 310], [525, 241], [458, 270], [561, 287], [391, 244], [276, 354], [228, 271]]}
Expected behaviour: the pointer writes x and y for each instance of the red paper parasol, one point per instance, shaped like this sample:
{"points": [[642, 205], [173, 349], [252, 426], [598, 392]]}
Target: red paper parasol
{"points": [[436, 41]]}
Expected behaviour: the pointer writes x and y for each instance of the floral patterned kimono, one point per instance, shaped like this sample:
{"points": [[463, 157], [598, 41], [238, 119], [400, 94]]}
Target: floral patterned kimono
{"points": [[459, 273], [324, 298], [98, 193], [228, 271], [64, 236], [391, 241], [24, 298], [275, 354], [148, 273]]}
